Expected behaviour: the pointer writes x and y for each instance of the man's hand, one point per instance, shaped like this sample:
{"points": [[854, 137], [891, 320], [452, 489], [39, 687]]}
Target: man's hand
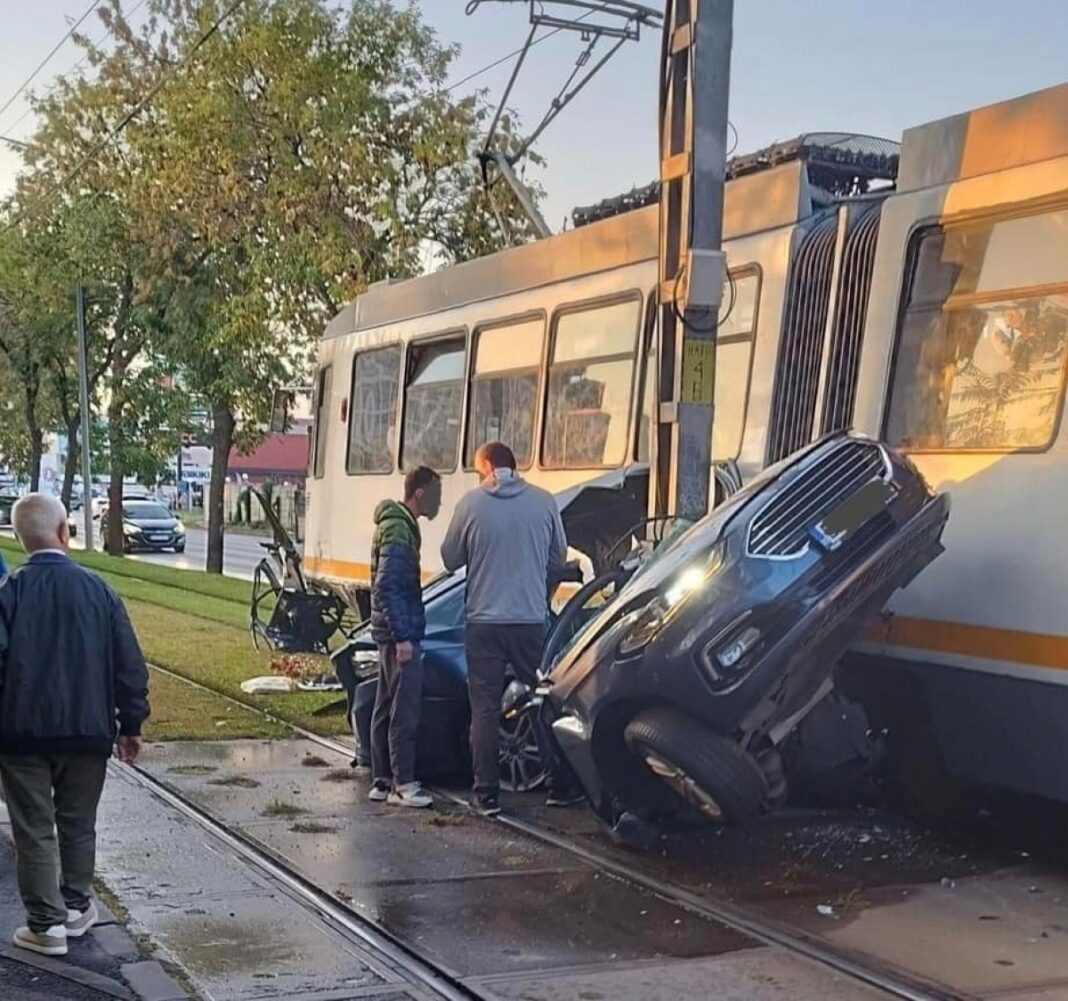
{"points": [[129, 749], [405, 652]]}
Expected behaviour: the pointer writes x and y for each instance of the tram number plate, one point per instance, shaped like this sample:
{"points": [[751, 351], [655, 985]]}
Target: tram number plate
{"points": [[852, 513]]}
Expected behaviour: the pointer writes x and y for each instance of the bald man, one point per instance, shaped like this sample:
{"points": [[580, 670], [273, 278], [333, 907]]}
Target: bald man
{"points": [[73, 684]]}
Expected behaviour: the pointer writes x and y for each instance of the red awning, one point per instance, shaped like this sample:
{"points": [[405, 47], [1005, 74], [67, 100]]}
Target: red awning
{"points": [[282, 455]]}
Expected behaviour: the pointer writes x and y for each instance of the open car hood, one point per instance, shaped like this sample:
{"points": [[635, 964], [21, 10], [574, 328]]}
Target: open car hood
{"points": [[598, 513]]}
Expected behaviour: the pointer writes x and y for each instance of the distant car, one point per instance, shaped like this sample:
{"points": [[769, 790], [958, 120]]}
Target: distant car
{"points": [[98, 502], [146, 525], [130, 492], [7, 502]]}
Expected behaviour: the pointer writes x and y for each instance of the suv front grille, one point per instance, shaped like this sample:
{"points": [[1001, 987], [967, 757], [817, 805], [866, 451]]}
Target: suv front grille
{"points": [[781, 529]]}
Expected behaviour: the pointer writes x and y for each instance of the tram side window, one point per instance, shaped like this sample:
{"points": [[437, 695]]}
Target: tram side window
{"points": [[433, 401], [373, 410], [983, 337], [504, 388], [734, 355], [323, 388], [591, 374]]}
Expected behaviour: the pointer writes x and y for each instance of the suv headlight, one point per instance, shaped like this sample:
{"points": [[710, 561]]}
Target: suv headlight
{"points": [[644, 624], [179, 529], [128, 529]]}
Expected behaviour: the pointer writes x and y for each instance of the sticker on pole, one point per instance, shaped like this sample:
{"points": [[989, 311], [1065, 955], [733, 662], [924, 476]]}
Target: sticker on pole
{"points": [[698, 371]]}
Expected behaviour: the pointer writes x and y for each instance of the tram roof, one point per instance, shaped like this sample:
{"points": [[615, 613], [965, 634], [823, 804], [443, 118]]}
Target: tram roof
{"points": [[774, 187], [776, 196]]}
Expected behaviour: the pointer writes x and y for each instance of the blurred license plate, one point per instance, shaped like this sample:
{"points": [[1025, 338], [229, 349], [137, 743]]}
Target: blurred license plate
{"points": [[853, 512]]}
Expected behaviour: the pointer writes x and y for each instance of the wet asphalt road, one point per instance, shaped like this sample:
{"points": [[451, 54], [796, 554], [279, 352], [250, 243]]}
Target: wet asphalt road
{"points": [[510, 917], [241, 553], [985, 916]]}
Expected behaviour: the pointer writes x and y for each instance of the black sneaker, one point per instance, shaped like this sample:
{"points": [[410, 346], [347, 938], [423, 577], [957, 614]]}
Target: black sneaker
{"points": [[489, 805]]}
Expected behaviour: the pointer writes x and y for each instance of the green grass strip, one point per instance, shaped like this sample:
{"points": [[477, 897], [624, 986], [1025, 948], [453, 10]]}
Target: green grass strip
{"points": [[196, 581], [220, 658]]}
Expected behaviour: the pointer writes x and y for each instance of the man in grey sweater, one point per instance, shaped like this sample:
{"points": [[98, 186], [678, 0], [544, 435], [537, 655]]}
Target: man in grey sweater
{"points": [[510, 537]]}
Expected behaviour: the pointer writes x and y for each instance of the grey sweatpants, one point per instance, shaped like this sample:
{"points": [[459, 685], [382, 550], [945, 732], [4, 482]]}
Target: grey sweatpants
{"points": [[395, 721], [52, 801]]}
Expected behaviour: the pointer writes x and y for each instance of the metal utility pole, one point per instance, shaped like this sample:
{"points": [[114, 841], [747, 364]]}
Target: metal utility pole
{"points": [[695, 83], [83, 394]]}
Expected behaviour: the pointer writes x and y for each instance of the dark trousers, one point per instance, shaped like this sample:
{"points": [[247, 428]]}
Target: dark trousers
{"points": [[52, 801], [395, 721], [493, 651]]}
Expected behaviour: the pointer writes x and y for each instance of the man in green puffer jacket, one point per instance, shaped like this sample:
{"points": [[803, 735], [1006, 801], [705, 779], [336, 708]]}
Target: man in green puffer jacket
{"points": [[397, 626]]}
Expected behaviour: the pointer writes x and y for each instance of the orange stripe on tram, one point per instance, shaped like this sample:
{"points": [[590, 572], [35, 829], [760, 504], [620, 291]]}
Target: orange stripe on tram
{"points": [[1010, 645]]}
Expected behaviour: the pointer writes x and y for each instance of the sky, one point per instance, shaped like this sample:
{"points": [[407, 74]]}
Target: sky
{"points": [[831, 65]]}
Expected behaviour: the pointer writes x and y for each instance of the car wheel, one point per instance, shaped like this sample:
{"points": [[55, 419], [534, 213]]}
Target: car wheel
{"points": [[522, 769], [708, 772]]}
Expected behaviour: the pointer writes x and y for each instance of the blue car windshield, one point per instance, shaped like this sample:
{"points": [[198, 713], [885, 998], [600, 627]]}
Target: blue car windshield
{"points": [[440, 583]]}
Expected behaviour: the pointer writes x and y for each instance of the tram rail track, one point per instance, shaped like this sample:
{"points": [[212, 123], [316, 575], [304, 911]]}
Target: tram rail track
{"points": [[326, 908], [859, 968]]}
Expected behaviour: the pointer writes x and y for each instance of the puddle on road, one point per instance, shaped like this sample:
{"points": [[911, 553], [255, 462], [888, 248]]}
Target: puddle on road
{"points": [[215, 945]]}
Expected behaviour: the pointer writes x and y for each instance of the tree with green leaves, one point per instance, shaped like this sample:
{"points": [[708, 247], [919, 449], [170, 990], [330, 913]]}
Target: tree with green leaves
{"points": [[292, 154], [305, 153]]}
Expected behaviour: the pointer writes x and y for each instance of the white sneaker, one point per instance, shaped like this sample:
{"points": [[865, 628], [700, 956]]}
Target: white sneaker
{"points": [[378, 793], [79, 922], [48, 943], [411, 794]]}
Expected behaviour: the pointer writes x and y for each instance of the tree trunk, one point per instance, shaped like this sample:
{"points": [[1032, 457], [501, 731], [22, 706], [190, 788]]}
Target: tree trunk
{"points": [[73, 456], [116, 538], [34, 434], [222, 440], [36, 455]]}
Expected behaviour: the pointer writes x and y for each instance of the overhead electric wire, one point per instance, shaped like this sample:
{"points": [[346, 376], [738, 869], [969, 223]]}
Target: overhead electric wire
{"points": [[497, 62], [78, 65], [44, 62], [134, 111], [511, 55]]}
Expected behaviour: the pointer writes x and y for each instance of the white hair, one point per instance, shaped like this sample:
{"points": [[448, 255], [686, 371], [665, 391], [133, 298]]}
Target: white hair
{"points": [[40, 521]]}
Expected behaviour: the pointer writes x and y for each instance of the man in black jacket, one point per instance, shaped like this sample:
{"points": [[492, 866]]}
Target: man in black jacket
{"points": [[73, 682], [397, 625]]}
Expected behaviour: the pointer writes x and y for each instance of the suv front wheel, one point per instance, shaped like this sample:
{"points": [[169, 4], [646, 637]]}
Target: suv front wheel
{"points": [[705, 770]]}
